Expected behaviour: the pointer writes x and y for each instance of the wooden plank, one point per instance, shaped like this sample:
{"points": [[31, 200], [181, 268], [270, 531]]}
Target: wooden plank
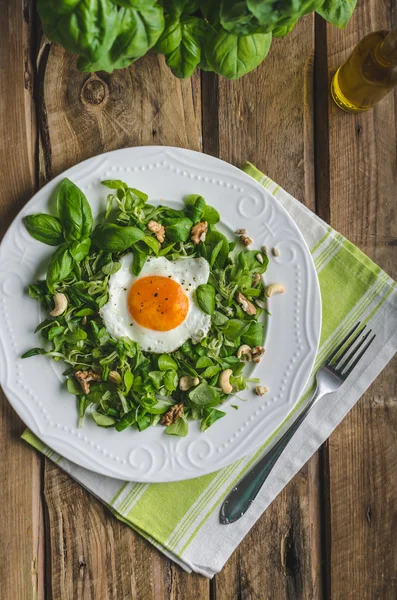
{"points": [[92, 555], [267, 118], [21, 548], [362, 452]]}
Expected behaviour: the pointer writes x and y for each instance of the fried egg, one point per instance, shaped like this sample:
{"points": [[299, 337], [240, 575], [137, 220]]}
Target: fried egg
{"points": [[157, 308]]}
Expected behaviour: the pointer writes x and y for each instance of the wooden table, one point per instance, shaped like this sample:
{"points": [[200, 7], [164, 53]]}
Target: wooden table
{"points": [[332, 532]]}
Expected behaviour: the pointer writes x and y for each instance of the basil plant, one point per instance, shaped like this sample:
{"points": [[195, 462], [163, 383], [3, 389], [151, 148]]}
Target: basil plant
{"points": [[228, 37]]}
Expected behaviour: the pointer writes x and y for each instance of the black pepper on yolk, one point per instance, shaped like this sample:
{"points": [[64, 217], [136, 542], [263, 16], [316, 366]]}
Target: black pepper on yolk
{"points": [[157, 303]]}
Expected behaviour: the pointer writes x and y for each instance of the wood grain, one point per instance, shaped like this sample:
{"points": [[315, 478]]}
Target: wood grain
{"points": [[280, 558], [93, 556], [362, 452], [22, 543]]}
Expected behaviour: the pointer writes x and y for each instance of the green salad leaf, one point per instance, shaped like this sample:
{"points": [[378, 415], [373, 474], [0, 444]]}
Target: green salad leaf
{"points": [[45, 228]]}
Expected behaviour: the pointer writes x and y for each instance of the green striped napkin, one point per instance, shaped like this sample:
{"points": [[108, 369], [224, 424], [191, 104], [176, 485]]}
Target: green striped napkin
{"points": [[182, 519]]}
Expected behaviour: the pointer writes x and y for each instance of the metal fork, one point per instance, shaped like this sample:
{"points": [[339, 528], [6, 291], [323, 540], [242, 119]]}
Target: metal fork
{"points": [[329, 378]]}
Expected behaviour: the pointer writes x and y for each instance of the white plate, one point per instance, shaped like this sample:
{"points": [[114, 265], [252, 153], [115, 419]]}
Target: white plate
{"points": [[35, 387]]}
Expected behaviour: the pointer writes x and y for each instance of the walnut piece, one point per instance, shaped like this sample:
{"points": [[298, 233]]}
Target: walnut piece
{"points": [[257, 353], [84, 377], [245, 304], [199, 232], [172, 415], [157, 229], [245, 240]]}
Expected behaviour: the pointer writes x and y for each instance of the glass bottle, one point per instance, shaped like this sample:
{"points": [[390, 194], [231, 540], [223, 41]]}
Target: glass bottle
{"points": [[368, 74]]}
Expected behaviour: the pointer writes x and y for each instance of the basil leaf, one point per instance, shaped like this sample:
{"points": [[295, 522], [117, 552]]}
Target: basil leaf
{"points": [[165, 363], [211, 215], [204, 395], [253, 336], [219, 319], [211, 417], [337, 12], [54, 332], [74, 211], [60, 266], [151, 243], [86, 27], [138, 31], [115, 184], [75, 336], [103, 420], [178, 230], [157, 378], [210, 371], [79, 250], [213, 238], [203, 362], [128, 380], [215, 252], [44, 228], [247, 261], [205, 296], [143, 421], [171, 380], [85, 312], [74, 387], [179, 428], [234, 328], [33, 352], [233, 56], [171, 36], [190, 200], [111, 267], [127, 420], [185, 55], [198, 209], [160, 407], [114, 238], [138, 262]]}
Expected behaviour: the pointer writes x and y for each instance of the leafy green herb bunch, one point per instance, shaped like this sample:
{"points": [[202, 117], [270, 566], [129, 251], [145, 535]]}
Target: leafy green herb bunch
{"points": [[228, 37]]}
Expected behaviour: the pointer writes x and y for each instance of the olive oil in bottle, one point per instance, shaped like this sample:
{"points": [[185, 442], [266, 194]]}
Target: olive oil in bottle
{"points": [[368, 74]]}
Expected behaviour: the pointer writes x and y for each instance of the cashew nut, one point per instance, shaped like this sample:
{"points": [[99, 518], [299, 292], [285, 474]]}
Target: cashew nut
{"points": [[274, 288], [261, 390], [224, 381], [244, 352], [60, 305], [114, 377], [186, 382]]}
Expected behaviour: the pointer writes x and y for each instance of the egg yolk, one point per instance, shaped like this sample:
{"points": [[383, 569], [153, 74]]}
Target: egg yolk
{"points": [[157, 303]]}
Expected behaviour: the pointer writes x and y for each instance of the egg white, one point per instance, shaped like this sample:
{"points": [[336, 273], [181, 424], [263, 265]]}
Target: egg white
{"points": [[188, 272]]}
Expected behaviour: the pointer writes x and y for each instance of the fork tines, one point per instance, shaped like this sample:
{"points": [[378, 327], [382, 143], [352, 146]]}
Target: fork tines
{"points": [[336, 364]]}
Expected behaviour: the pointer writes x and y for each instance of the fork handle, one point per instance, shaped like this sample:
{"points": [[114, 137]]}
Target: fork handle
{"points": [[244, 493]]}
